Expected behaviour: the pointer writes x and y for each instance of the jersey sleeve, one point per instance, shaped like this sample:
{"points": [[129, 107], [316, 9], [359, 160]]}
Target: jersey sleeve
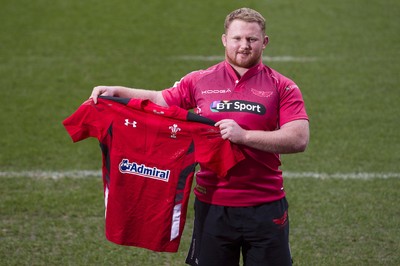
{"points": [[291, 102], [88, 120], [215, 153], [181, 94]]}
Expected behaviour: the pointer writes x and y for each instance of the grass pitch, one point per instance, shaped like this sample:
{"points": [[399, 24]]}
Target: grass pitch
{"points": [[61, 222]]}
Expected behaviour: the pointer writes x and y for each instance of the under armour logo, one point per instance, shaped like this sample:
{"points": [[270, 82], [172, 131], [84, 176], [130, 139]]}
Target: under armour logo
{"points": [[174, 130], [127, 123]]}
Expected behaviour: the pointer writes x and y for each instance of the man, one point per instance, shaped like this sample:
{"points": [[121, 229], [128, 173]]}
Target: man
{"points": [[263, 112]]}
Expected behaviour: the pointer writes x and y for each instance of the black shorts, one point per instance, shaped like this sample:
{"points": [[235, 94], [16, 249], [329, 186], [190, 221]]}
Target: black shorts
{"points": [[221, 234]]}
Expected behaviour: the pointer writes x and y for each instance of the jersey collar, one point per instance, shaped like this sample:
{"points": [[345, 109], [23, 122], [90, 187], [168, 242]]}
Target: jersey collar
{"points": [[150, 107], [251, 72]]}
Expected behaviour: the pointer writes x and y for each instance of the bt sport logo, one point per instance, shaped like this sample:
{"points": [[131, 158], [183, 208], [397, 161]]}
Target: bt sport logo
{"points": [[237, 106]]}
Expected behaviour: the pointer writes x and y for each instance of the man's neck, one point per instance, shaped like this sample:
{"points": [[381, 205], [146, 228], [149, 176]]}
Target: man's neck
{"points": [[240, 71]]}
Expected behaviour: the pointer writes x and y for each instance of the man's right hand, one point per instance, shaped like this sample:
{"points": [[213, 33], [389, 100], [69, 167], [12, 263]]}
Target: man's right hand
{"points": [[120, 91], [103, 91]]}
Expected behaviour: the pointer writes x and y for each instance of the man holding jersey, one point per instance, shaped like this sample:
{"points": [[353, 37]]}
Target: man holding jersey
{"points": [[262, 112]]}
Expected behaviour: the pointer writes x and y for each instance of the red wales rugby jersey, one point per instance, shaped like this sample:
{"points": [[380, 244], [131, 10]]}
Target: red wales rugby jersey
{"points": [[149, 158]]}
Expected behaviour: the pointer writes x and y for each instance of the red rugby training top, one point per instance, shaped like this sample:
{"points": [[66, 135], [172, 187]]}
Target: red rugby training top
{"points": [[149, 158]]}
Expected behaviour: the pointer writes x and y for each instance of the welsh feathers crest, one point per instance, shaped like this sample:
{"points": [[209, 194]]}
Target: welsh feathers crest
{"points": [[174, 130]]}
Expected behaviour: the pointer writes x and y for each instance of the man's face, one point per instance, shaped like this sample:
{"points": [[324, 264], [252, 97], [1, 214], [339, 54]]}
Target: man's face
{"points": [[244, 43]]}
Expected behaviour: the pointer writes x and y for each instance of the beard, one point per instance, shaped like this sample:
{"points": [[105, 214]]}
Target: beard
{"points": [[243, 59]]}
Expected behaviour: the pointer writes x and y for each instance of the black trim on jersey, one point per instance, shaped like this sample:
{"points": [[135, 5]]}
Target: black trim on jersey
{"points": [[197, 118], [183, 175], [190, 116], [105, 150], [106, 154], [191, 148], [124, 101]]}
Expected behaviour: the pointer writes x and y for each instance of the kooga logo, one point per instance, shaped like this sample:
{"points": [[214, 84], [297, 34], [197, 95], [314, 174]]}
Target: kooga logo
{"points": [[238, 106]]}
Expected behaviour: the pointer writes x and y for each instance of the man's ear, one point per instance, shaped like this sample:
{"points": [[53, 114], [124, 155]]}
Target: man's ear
{"points": [[223, 38], [266, 41]]}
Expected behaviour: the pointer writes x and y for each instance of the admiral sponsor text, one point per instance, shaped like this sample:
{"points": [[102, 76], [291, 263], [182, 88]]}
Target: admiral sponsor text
{"points": [[127, 167]]}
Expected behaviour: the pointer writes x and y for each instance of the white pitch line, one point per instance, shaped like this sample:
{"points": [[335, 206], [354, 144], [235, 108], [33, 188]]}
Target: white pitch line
{"points": [[287, 174], [360, 175], [284, 58], [52, 174]]}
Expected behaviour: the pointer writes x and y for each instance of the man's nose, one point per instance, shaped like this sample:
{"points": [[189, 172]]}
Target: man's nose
{"points": [[245, 43]]}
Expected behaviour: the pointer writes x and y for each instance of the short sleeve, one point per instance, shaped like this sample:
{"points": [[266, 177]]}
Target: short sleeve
{"points": [[181, 93], [291, 103], [88, 120]]}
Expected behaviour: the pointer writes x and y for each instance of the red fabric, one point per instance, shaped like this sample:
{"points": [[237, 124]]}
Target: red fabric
{"points": [[149, 157]]}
